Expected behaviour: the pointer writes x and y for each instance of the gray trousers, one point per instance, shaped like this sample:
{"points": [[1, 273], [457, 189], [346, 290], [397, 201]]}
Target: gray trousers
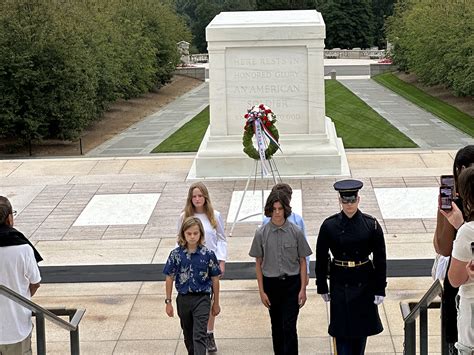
{"points": [[193, 312], [21, 348]]}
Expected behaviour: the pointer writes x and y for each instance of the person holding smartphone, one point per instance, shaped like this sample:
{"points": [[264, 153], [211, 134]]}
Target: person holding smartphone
{"points": [[459, 273], [447, 224]]}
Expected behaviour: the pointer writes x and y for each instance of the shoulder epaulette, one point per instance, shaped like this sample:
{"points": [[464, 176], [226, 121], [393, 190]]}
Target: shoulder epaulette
{"points": [[371, 218]]}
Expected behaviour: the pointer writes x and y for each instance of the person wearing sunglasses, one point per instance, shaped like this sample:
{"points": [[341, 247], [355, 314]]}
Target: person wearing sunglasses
{"points": [[350, 251]]}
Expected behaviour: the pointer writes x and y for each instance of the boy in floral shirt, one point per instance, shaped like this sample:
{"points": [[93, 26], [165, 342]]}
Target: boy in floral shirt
{"points": [[195, 271]]}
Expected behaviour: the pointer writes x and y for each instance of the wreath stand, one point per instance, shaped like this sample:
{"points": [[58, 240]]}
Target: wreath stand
{"points": [[275, 174]]}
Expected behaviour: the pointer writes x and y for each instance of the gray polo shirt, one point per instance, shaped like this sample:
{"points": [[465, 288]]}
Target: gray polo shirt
{"points": [[281, 248]]}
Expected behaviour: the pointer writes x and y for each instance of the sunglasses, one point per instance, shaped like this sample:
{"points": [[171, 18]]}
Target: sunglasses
{"points": [[346, 201]]}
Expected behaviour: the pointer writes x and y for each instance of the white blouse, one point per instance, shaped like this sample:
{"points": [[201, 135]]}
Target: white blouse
{"points": [[462, 252], [215, 237]]}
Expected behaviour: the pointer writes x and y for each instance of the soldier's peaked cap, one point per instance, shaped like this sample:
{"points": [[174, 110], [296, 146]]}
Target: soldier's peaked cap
{"points": [[348, 188]]}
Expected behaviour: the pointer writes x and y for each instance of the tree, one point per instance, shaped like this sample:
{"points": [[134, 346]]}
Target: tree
{"points": [[435, 40], [284, 4], [63, 62], [199, 13], [348, 24], [381, 9]]}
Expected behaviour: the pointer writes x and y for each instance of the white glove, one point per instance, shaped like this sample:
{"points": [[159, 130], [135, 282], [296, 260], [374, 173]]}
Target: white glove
{"points": [[378, 299], [326, 297]]}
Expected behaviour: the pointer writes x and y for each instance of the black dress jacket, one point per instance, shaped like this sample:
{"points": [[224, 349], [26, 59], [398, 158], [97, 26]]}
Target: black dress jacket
{"points": [[352, 289]]}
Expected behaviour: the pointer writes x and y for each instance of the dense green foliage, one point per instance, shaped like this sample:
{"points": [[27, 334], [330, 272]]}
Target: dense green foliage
{"points": [[349, 24], [357, 124], [446, 112], [435, 40], [63, 62], [381, 9]]}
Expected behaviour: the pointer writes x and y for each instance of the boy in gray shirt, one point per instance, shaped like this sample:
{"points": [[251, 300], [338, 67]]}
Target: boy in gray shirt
{"points": [[280, 249]]}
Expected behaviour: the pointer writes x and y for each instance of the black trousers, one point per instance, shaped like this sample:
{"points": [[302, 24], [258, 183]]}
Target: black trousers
{"points": [[193, 312], [351, 346], [449, 312], [284, 310]]}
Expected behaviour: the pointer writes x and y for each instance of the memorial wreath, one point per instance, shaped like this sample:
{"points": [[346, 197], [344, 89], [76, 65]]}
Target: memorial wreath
{"points": [[260, 121]]}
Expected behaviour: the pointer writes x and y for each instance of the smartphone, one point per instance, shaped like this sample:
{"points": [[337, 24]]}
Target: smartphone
{"points": [[472, 250], [447, 180], [446, 192]]}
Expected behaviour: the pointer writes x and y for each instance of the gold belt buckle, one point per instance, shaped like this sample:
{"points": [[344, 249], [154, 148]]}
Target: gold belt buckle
{"points": [[351, 263]]}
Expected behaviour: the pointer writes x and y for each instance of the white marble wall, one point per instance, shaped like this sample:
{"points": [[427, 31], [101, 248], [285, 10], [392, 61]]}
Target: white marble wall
{"points": [[274, 58]]}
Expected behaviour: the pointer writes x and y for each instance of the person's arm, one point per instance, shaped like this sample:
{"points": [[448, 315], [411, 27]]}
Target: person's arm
{"points": [[222, 267], [322, 258], [301, 224], [216, 308], [447, 222], [221, 242], [168, 290], [263, 295], [457, 272], [304, 277], [379, 260], [32, 272], [34, 288]]}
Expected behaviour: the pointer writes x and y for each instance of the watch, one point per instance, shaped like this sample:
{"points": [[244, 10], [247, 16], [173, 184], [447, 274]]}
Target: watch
{"points": [[167, 300]]}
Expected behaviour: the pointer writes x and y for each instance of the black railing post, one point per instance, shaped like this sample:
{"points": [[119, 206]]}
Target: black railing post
{"points": [[423, 330], [74, 339], [444, 343], [40, 334], [80, 145], [410, 338]]}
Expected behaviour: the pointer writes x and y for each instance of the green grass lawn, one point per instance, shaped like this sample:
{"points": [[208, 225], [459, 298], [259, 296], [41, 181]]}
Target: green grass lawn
{"points": [[446, 112], [188, 137], [357, 124]]}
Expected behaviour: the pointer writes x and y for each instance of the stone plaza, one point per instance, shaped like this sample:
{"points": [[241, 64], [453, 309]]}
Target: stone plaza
{"points": [[74, 212]]}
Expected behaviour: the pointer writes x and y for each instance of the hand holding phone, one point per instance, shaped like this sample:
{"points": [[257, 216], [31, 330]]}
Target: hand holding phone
{"points": [[454, 216]]}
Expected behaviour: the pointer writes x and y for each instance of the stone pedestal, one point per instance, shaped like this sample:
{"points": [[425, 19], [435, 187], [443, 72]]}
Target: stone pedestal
{"points": [[274, 58]]}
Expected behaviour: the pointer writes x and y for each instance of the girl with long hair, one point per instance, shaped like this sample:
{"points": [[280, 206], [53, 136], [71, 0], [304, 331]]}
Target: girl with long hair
{"points": [[198, 204]]}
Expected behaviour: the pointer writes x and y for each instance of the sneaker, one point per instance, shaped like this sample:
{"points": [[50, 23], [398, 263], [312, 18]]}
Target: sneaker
{"points": [[211, 343]]}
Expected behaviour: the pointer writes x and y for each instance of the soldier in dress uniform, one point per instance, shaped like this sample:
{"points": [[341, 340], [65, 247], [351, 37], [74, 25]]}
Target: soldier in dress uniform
{"points": [[356, 271]]}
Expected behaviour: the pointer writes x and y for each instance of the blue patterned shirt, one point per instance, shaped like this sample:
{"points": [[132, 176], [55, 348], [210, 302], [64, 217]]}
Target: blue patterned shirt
{"points": [[192, 272]]}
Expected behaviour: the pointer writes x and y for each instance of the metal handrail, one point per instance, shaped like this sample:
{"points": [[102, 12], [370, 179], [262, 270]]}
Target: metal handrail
{"points": [[412, 310], [75, 316]]}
